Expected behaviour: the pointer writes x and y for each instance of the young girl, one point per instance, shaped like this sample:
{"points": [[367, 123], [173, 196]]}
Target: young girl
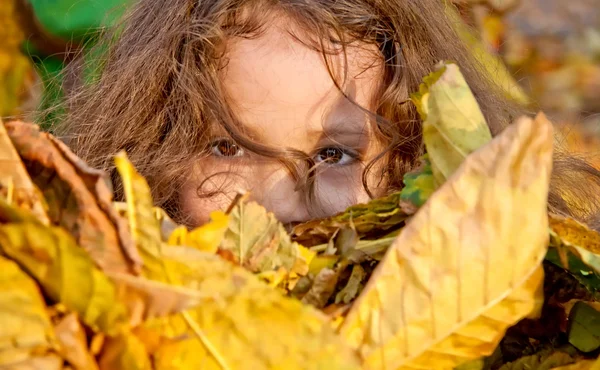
{"points": [[303, 103]]}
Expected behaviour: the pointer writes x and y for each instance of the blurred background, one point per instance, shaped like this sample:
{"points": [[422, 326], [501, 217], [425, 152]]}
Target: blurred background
{"points": [[550, 47]]}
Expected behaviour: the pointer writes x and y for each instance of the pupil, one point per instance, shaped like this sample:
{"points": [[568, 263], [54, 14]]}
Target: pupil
{"points": [[332, 155]]}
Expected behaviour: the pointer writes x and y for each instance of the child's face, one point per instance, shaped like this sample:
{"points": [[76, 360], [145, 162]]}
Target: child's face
{"points": [[281, 90]]}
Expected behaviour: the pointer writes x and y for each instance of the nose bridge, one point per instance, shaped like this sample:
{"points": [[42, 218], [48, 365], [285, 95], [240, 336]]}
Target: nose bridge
{"points": [[276, 190]]}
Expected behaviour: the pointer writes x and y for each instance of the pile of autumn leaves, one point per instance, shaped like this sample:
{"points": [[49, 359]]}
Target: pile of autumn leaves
{"points": [[428, 278]]}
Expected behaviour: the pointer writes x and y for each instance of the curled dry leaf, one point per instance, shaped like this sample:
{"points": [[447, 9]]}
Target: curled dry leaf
{"points": [[77, 198], [379, 215], [577, 238], [65, 273], [25, 328], [15, 181], [467, 266]]}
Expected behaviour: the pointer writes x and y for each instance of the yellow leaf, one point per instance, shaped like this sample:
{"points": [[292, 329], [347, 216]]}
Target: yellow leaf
{"points": [[248, 324], [144, 226], [65, 273], [125, 351], [15, 180], [25, 327], [206, 237], [453, 124], [73, 343], [260, 243], [468, 264], [146, 299]]}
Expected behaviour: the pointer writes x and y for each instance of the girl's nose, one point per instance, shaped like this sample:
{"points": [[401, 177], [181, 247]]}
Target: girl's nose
{"points": [[276, 191]]}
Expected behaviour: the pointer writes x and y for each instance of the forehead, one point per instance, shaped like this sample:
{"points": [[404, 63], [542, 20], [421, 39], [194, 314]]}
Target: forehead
{"points": [[275, 82]]}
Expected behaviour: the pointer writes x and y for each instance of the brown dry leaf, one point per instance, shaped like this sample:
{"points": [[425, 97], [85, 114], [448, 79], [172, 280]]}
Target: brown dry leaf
{"points": [[25, 328], [15, 181], [576, 236], [467, 266], [146, 299], [248, 324], [73, 343], [376, 216], [65, 273], [72, 205], [322, 288]]}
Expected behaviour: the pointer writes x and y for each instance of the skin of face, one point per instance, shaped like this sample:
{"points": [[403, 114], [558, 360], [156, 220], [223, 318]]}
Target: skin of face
{"points": [[281, 89]]}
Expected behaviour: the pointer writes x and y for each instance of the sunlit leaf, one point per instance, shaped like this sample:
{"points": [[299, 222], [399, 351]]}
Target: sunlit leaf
{"points": [[453, 125], [78, 201], [206, 238], [65, 272], [248, 324], [450, 286], [146, 299], [25, 327], [260, 243], [144, 226], [15, 180], [125, 351], [584, 327]]}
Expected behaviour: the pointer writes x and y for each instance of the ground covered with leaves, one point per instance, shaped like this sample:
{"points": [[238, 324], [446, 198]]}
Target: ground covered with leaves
{"points": [[464, 268]]}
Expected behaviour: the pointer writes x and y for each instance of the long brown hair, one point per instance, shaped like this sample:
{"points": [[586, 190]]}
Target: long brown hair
{"points": [[158, 94]]}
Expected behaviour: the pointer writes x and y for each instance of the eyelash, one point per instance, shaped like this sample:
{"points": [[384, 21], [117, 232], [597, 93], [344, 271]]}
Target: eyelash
{"points": [[220, 147]]}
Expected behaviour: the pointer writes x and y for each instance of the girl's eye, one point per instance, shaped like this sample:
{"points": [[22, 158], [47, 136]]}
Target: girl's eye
{"points": [[226, 148], [334, 156]]}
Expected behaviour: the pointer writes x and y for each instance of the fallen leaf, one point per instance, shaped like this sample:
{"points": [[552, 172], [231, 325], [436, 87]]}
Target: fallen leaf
{"points": [[578, 238], [450, 286], [146, 299], [248, 324], [125, 351], [352, 288], [540, 361], [322, 288], [581, 365], [16, 181], [584, 327], [25, 328], [206, 238], [65, 273], [376, 216], [144, 226], [260, 243], [453, 125], [73, 343], [71, 203]]}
